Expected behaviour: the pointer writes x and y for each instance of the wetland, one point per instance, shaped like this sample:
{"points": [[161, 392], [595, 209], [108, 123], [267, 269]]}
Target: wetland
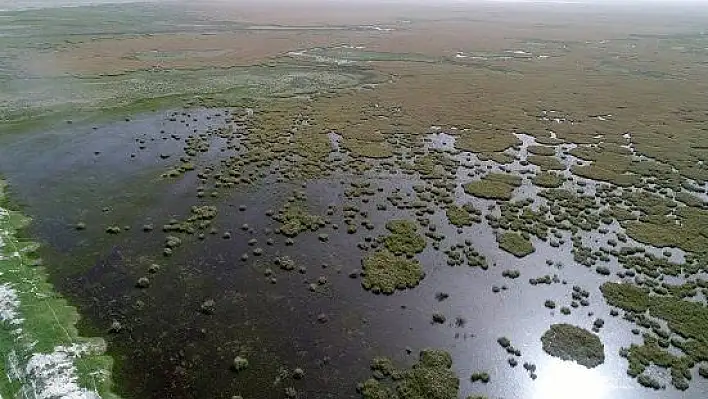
{"points": [[475, 200]]}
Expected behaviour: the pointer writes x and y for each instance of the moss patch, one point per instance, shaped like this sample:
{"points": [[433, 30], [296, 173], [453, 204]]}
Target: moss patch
{"points": [[666, 233], [515, 244], [546, 162], [295, 219], [461, 216], [548, 180], [494, 186], [569, 342], [404, 239], [486, 141], [430, 378], [368, 149], [498, 157], [640, 357], [542, 150], [385, 272], [626, 296]]}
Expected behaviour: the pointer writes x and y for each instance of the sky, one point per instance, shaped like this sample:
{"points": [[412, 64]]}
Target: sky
{"points": [[24, 4]]}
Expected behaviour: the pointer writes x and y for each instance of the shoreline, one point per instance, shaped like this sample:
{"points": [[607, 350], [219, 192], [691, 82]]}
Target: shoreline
{"points": [[43, 359]]}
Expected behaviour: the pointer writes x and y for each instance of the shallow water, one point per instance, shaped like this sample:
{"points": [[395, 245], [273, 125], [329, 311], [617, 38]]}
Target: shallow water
{"points": [[168, 348]]}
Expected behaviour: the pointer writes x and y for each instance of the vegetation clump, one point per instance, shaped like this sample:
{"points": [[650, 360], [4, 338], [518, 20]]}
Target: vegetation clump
{"points": [[498, 157], [404, 239], [481, 376], [548, 180], [486, 141], [239, 364], [430, 378], [295, 219], [640, 357], [385, 272], [113, 230], [687, 233], [494, 186], [546, 162], [569, 342], [461, 216], [516, 244], [626, 296], [439, 318], [512, 274], [541, 150]]}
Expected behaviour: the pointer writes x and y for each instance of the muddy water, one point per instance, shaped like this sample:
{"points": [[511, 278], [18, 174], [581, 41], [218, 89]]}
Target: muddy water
{"points": [[169, 348]]}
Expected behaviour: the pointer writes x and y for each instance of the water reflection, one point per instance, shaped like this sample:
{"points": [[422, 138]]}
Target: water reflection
{"points": [[563, 380]]}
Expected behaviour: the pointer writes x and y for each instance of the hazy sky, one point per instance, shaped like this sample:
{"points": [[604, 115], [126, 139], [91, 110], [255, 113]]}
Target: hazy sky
{"points": [[22, 4]]}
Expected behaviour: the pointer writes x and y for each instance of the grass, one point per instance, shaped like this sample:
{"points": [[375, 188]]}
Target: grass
{"points": [[666, 233], [569, 342], [515, 244], [489, 189], [548, 180], [690, 199], [404, 239], [609, 163], [295, 219], [461, 216], [498, 157], [546, 162], [686, 318], [606, 172], [48, 321], [640, 357], [542, 150], [494, 186], [430, 378], [368, 149], [385, 272], [486, 142], [626, 296]]}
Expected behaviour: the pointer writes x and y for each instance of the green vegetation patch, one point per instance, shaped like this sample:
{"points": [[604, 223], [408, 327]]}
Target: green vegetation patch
{"points": [[486, 141], [430, 378], [606, 172], [404, 239], [515, 244], [546, 162], [610, 163], [689, 319], [494, 186], [686, 318], [385, 272], [498, 157], [667, 233], [368, 149], [542, 150], [569, 342], [626, 296], [548, 180], [640, 357], [295, 219], [690, 199], [461, 216]]}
